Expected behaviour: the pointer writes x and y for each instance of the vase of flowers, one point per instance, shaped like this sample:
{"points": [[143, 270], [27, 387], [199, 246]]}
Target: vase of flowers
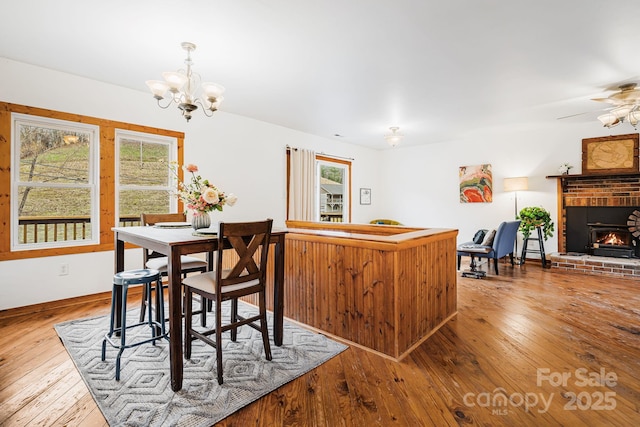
{"points": [[565, 168], [200, 196]]}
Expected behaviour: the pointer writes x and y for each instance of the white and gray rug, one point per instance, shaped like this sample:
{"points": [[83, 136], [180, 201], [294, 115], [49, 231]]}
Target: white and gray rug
{"points": [[143, 396]]}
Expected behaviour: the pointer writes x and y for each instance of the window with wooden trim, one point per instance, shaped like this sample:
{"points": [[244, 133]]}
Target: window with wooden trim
{"points": [[331, 180], [333, 190], [55, 164], [144, 181], [55, 183]]}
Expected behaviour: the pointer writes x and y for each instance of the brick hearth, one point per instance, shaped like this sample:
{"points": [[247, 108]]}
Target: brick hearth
{"points": [[596, 265]]}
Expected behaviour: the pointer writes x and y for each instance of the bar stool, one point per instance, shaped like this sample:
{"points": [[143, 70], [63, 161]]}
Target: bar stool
{"points": [[121, 282]]}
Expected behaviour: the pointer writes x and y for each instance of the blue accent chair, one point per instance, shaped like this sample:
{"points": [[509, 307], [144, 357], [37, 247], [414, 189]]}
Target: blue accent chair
{"points": [[503, 245]]}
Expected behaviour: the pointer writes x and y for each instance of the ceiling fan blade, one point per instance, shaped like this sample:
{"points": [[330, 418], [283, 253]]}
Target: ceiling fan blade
{"points": [[571, 115], [574, 115]]}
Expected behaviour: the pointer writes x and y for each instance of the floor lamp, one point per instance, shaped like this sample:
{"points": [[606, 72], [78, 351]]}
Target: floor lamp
{"points": [[520, 183]]}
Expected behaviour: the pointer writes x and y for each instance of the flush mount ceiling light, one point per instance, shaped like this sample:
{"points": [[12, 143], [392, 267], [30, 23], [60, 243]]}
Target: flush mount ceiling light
{"points": [[626, 106], [183, 86], [393, 138]]}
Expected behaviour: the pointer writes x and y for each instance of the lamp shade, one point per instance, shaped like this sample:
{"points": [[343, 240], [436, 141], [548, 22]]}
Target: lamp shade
{"points": [[516, 184], [609, 120]]}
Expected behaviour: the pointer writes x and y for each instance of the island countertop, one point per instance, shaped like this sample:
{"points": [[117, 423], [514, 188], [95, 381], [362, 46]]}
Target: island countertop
{"points": [[389, 237]]}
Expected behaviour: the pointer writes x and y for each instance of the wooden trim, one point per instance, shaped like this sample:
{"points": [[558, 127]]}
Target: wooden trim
{"points": [[107, 176], [5, 179], [561, 216], [288, 161]]}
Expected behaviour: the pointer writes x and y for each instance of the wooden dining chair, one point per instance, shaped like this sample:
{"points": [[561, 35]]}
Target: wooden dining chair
{"points": [[160, 262], [236, 275]]}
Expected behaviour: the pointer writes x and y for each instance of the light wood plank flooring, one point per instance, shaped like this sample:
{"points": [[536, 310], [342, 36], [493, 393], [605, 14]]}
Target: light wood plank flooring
{"points": [[565, 345]]}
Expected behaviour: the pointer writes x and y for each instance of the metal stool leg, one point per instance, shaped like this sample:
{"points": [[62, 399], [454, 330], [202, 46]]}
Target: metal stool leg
{"points": [[111, 322], [118, 319], [123, 330], [152, 326], [160, 309]]}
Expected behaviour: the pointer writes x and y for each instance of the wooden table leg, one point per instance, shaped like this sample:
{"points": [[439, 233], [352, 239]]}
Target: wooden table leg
{"points": [[175, 320], [278, 292]]}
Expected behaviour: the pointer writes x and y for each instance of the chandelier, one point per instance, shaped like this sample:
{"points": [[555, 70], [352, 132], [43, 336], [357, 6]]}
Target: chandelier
{"points": [[183, 86], [626, 107], [393, 138], [629, 113]]}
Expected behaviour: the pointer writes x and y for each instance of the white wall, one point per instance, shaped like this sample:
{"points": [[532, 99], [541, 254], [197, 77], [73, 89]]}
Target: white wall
{"points": [[240, 155], [425, 186], [416, 185]]}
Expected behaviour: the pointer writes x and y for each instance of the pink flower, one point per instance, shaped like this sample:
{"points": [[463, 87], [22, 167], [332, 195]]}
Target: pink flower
{"points": [[199, 195]]}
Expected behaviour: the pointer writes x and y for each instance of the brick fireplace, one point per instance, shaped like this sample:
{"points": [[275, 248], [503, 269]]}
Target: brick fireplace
{"points": [[603, 201]]}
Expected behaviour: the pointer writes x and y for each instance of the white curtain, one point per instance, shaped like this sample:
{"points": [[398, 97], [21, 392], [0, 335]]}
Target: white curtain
{"points": [[302, 165]]}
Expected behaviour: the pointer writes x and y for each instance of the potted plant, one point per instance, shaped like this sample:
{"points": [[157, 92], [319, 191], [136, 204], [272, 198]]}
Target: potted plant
{"points": [[532, 217]]}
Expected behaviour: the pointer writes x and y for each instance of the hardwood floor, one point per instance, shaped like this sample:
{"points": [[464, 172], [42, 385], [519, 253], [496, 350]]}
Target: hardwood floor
{"points": [[516, 336]]}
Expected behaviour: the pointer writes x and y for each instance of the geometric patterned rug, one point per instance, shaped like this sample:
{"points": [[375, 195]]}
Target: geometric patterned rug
{"points": [[143, 396]]}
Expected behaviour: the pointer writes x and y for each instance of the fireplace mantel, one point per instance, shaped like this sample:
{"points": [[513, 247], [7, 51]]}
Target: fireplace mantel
{"points": [[593, 175]]}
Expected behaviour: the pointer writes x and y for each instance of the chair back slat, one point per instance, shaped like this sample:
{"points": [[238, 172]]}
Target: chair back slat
{"points": [[244, 243], [153, 219]]}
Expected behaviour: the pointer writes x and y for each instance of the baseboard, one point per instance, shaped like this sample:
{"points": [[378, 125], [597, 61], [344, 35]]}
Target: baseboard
{"points": [[57, 304]]}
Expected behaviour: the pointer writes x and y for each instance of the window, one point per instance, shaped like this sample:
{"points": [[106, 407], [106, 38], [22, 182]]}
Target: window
{"points": [[144, 180], [55, 183], [333, 190], [66, 178]]}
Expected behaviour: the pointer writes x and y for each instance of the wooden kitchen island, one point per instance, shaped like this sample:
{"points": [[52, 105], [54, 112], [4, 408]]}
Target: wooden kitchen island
{"points": [[385, 288]]}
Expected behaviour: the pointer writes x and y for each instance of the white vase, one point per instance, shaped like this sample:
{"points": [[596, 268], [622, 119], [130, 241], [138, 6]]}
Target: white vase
{"points": [[202, 220]]}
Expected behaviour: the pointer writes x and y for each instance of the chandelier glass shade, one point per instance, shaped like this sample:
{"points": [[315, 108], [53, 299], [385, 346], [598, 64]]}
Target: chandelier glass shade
{"points": [[185, 89], [394, 137], [626, 107]]}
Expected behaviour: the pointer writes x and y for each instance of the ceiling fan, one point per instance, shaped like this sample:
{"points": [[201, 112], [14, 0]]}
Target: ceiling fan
{"points": [[625, 106]]}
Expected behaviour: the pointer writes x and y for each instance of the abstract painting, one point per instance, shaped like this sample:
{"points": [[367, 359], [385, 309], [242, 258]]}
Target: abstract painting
{"points": [[476, 184]]}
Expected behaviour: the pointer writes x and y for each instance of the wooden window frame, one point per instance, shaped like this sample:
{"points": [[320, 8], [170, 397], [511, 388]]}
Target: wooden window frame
{"points": [[347, 165], [149, 139], [107, 170], [92, 183], [345, 162]]}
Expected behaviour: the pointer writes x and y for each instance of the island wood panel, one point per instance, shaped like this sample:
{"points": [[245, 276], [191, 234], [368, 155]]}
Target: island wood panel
{"points": [[345, 291], [385, 295], [424, 307]]}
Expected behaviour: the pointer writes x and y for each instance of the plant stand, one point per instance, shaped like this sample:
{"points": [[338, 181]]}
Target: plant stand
{"points": [[540, 250]]}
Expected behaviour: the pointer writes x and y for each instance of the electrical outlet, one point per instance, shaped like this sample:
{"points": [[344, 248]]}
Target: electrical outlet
{"points": [[64, 270]]}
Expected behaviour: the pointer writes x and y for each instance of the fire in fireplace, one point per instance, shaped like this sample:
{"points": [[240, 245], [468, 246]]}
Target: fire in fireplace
{"points": [[612, 231], [611, 240]]}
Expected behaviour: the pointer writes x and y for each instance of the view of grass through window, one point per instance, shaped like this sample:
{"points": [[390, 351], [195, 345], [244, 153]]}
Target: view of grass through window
{"points": [[57, 193], [144, 178], [54, 184]]}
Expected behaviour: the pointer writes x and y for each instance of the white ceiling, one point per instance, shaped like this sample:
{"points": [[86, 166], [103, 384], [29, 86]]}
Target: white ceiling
{"points": [[439, 70]]}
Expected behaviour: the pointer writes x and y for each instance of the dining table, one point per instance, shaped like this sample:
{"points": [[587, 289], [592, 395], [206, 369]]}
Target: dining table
{"points": [[175, 242]]}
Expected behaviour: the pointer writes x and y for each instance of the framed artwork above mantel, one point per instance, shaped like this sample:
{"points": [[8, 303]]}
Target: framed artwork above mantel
{"points": [[610, 154]]}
